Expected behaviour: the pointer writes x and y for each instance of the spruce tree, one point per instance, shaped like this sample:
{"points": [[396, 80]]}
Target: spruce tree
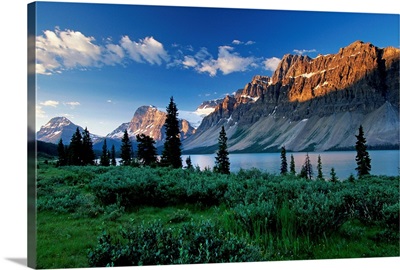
{"points": [[362, 158], [113, 160], [334, 178], [189, 165], [126, 150], [171, 155], [306, 170], [320, 175], [75, 149], [62, 155], [222, 163], [292, 165], [88, 155], [284, 164], [146, 151], [104, 159]]}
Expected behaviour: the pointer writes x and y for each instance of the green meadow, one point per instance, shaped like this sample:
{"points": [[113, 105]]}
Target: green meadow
{"points": [[93, 216]]}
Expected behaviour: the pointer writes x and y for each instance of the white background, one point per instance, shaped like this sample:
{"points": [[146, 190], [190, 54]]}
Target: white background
{"points": [[13, 140]]}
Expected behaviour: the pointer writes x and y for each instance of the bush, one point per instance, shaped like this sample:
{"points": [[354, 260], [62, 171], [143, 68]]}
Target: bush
{"points": [[63, 201], [153, 244], [180, 215]]}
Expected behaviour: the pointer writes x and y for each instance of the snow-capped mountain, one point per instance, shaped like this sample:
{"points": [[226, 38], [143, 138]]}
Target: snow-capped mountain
{"points": [[61, 128]]}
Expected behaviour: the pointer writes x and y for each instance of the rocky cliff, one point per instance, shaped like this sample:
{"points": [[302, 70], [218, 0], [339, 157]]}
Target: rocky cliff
{"points": [[312, 104], [150, 121]]}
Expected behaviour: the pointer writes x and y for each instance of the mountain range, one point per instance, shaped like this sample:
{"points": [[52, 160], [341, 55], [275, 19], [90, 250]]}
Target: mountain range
{"points": [[306, 105]]}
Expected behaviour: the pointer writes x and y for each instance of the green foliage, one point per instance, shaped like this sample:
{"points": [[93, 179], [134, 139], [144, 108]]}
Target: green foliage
{"points": [[180, 215], [362, 158], [222, 163], [75, 149], [146, 153], [369, 199], [171, 155], [284, 168], [189, 165], [306, 170], [62, 154], [292, 165], [320, 176], [158, 187], [105, 157], [334, 178], [126, 150], [88, 155], [113, 161], [154, 244], [280, 216]]}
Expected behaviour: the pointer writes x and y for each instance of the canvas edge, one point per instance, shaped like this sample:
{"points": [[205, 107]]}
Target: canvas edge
{"points": [[32, 147]]}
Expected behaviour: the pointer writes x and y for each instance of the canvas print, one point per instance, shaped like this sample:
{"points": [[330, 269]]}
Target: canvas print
{"points": [[166, 135]]}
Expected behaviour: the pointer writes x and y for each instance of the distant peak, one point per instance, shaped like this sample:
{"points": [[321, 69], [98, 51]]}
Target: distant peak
{"points": [[60, 119]]}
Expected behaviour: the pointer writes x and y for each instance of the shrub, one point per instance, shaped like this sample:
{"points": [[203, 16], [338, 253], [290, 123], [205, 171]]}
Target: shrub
{"points": [[153, 244], [180, 215]]}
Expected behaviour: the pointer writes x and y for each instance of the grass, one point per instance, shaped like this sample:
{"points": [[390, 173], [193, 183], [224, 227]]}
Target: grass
{"points": [[66, 233]]}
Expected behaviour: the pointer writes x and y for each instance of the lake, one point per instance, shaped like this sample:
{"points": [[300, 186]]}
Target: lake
{"points": [[383, 162]]}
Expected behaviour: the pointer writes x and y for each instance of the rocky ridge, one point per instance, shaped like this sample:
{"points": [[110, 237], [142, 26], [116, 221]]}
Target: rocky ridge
{"points": [[312, 104], [150, 121]]}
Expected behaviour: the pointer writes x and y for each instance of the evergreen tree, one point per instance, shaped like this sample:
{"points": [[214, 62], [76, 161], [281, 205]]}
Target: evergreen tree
{"points": [[113, 161], [171, 155], [333, 176], [104, 158], [351, 178], [88, 155], [362, 158], [222, 163], [146, 151], [306, 169], [292, 165], [75, 149], [284, 164], [320, 175], [62, 154], [126, 150], [189, 165]]}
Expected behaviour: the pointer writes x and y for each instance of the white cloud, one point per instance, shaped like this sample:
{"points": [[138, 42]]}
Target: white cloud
{"points": [[238, 42], [40, 113], [227, 62], [51, 103], [67, 49], [58, 50], [301, 52], [230, 62], [113, 54], [271, 63], [189, 61], [147, 49], [72, 104]]}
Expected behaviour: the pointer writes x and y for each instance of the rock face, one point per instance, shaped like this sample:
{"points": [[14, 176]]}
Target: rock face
{"points": [[150, 121], [312, 104]]}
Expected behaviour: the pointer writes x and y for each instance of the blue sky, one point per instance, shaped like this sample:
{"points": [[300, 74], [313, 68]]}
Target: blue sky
{"points": [[97, 63]]}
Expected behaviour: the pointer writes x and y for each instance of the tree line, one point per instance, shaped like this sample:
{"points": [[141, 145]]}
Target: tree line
{"points": [[363, 161], [80, 152]]}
